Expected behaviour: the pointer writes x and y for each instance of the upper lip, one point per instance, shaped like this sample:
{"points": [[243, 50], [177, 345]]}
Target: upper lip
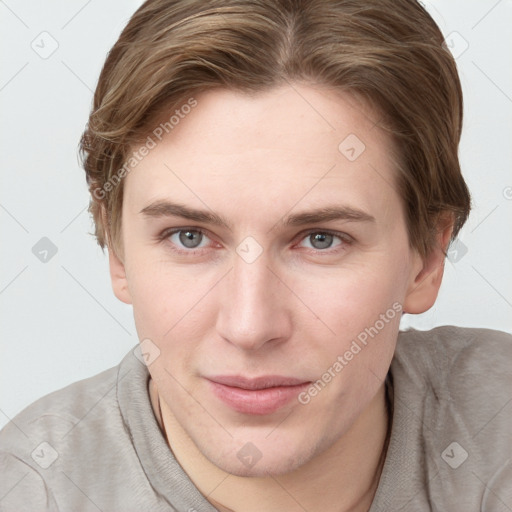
{"points": [[262, 382]]}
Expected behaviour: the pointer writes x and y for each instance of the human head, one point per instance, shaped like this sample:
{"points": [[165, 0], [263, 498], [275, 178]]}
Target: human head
{"points": [[254, 78], [389, 53]]}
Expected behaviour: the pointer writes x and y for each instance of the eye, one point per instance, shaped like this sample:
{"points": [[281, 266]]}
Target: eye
{"points": [[187, 238], [321, 240]]}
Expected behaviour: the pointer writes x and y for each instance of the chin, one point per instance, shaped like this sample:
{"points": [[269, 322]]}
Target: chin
{"points": [[263, 468], [261, 458]]}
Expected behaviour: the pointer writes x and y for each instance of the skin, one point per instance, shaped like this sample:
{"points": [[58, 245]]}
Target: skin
{"points": [[296, 308]]}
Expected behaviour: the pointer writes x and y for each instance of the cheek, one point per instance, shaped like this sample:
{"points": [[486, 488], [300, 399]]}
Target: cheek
{"points": [[349, 300], [173, 306], [363, 309], [163, 299]]}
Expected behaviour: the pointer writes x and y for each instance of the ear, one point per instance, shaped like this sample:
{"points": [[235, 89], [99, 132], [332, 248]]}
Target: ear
{"points": [[428, 273], [117, 268], [118, 277]]}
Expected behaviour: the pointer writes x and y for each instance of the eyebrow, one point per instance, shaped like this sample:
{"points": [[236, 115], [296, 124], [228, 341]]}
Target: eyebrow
{"points": [[329, 213]]}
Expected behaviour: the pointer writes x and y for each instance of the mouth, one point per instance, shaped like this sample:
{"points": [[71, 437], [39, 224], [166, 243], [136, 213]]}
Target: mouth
{"points": [[256, 396]]}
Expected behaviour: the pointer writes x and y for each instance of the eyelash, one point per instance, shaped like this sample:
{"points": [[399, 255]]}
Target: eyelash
{"points": [[344, 238]]}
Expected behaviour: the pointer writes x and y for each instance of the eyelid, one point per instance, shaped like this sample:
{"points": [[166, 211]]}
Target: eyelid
{"points": [[345, 239], [344, 236], [170, 231]]}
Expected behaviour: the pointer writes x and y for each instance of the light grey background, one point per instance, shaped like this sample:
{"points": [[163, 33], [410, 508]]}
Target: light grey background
{"points": [[60, 321]]}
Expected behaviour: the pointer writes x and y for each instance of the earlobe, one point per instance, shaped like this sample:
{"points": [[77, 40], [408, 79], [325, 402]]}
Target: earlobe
{"points": [[118, 277], [427, 275]]}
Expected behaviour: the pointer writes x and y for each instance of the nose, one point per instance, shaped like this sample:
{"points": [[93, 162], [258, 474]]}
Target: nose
{"points": [[254, 309]]}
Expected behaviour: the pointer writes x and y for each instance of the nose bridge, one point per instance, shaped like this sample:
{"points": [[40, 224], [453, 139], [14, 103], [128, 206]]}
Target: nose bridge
{"points": [[251, 312]]}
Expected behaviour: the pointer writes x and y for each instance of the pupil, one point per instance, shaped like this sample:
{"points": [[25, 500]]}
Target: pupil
{"points": [[321, 240], [187, 239]]}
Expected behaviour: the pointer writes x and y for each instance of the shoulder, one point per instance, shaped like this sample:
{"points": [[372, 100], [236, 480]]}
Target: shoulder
{"points": [[75, 449], [446, 354], [455, 387], [55, 414], [42, 444], [457, 372], [450, 339]]}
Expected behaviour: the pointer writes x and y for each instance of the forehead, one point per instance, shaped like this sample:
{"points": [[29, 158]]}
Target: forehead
{"points": [[288, 145]]}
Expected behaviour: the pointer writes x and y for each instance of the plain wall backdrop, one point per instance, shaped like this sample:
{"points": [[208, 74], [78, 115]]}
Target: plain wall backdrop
{"points": [[60, 321]]}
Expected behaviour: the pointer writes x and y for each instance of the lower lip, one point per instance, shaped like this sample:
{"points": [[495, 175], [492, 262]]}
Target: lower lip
{"points": [[257, 401]]}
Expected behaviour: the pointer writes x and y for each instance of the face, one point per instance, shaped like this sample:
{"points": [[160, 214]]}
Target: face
{"points": [[266, 256]]}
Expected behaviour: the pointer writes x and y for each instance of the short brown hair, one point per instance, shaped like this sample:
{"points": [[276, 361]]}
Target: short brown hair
{"points": [[390, 53]]}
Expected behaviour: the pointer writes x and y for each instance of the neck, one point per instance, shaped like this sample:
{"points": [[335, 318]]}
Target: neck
{"points": [[349, 484]]}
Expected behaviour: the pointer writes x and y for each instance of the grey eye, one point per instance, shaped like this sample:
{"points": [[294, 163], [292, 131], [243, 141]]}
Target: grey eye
{"points": [[190, 238], [321, 240]]}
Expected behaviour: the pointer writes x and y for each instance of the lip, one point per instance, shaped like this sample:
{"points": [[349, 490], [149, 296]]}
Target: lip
{"points": [[258, 396]]}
